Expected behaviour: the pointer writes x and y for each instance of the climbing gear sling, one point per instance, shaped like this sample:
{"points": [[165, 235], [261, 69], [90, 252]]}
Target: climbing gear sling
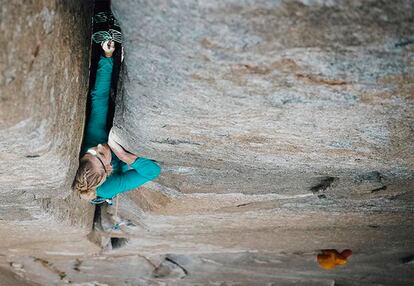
{"points": [[100, 200]]}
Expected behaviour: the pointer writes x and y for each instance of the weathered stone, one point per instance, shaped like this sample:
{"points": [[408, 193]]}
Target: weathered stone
{"points": [[43, 87], [282, 128], [44, 68], [9, 278], [268, 96]]}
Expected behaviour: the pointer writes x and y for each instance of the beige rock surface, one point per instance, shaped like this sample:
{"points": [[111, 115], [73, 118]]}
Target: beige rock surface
{"points": [[269, 96], [282, 128], [43, 87], [44, 67]]}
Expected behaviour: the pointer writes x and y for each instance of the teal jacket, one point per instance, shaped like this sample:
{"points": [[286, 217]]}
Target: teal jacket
{"points": [[123, 177]]}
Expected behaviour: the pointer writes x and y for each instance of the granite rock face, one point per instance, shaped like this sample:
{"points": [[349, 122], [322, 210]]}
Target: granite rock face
{"points": [[269, 96], [282, 128], [44, 70]]}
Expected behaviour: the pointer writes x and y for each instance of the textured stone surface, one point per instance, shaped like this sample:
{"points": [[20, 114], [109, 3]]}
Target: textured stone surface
{"points": [[43, 84], [44, 67], [275, 244], [282, 127], [268, 96], [44, 71]]}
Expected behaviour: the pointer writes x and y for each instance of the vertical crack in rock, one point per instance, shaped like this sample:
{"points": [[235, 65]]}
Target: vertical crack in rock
{"points": [[236, 99]]}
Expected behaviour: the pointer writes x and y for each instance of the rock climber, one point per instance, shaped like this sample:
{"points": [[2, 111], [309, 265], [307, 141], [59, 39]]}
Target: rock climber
{"points": [[106, 168]]}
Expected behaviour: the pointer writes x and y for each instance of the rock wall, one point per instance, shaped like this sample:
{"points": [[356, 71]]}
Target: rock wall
{"points": [[269, 96], [282, 128], [44, 71]]}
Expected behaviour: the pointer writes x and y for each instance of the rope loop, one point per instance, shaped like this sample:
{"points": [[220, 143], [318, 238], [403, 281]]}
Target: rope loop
{"points": [[110, 35]]}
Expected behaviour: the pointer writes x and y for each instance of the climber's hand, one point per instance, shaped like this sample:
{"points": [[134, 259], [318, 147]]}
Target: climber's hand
{"points": [[108, 48], [120, 152]]}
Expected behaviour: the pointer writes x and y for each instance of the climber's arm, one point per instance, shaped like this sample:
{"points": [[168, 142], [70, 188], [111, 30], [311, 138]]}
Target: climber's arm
{"points": [[96, 132], [143, 170]]}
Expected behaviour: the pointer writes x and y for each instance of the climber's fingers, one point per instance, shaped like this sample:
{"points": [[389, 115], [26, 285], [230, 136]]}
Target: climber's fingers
{"points": [[108, 47]]}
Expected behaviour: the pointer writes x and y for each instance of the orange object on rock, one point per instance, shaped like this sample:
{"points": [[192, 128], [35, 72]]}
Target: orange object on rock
{"points": [[330, 258]]}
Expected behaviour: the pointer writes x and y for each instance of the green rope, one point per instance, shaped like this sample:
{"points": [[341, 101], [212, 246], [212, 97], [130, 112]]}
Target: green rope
{"points": [[116, 35], [101, 36], [111, 35]]}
